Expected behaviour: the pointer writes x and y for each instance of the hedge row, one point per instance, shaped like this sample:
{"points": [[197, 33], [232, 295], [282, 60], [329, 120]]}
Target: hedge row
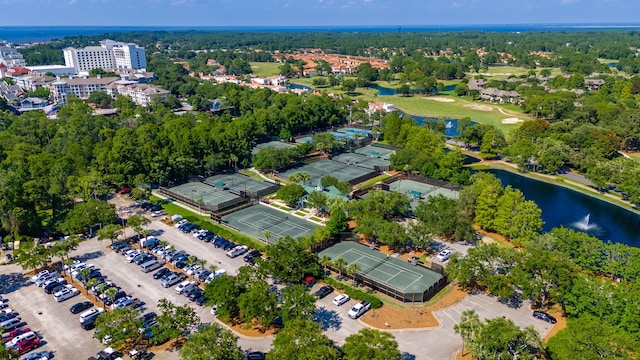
{"points": [[355, 293]]}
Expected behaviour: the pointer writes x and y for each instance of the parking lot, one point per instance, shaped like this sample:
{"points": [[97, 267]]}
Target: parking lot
{"points": [[62, 334]]}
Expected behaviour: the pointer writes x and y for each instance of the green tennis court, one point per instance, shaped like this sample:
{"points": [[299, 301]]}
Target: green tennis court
{"points": [[341, 171], [239, 182], [211, 198], [375, 151], [369, 162], [271, 144], [395, 277], [254, 220]]}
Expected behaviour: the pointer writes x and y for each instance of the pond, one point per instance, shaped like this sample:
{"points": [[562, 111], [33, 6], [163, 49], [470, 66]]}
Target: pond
{"points": [[385, 91], [562, 206]]}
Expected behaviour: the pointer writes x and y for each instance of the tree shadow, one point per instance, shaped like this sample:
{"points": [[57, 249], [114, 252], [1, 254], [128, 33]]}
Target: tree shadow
{"points": [[327, 318], [91, 255], [12, 282], [156, 232]]}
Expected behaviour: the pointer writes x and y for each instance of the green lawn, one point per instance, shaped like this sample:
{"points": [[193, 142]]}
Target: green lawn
{"points": [[251, 174], [505, 71], [608, 61], [634, 155], [265, 69], [373, 181]]}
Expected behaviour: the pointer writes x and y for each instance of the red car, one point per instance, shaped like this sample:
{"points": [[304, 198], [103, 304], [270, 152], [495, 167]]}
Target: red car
{"points": [[26, 345], [124, 190], [15, 333]]}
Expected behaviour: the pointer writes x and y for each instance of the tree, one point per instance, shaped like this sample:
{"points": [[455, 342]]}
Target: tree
{"points": [[317, 200], [593, 339], [137, 223], [337, 223], [300, 177], [223, 292], [290, 193], [100, 99], [121, 327], [173, 321], [290, 261], [32, 256], [348, 86], [257, 302], [266, 234], [211, 343], [86, 214], [84, 274], [110, 232], [500, 338], [302, 340], [325, 261], [297, 303], [371, 344], [340, 264], [468, 326], [352, 271]]}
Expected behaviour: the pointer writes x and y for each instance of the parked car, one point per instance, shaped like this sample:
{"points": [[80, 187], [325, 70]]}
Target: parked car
{"points": [[443, 255], [215, 275], [172, 279], [341, 299], [54, 287], [18, 338], [41, 355], [80, 307], [248, 257], [66, 293], [25, 346], [10, 324], [237, 251], [181, 223], [108, 300], [160, 273], [122, 303], [359, 309], [16, 332], [202, 300], [324, 291], [40, 274], [255, 355], [158, 213], [185, 286], [544, 316]]}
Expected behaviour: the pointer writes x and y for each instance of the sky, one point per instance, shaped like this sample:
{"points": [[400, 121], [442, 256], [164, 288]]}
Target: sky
{"points": [[297, 13]]}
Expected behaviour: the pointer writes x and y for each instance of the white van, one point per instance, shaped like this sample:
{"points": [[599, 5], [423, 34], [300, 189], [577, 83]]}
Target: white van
{"points": [[26, 336], [237, 251], [90, 313], [175, 218], [66, 293], [215, 275], [150, 266], [149, 242]]}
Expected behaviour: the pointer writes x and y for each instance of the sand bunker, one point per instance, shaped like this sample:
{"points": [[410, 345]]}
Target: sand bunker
{"points": [[479, 107], [512, 121], [440, 99]]}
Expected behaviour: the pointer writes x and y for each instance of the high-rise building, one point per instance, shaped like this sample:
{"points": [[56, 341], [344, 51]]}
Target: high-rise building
{"points": [[110, 54]]}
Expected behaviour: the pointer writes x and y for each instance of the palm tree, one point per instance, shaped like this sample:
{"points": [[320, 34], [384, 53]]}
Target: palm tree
{"points": [[137, 222], [91, 283], [266, 234], [110, 232], [467, 327], [352, 271], [68, 263], [324, 261], [111, 293], [83, 276], [340, 264]]}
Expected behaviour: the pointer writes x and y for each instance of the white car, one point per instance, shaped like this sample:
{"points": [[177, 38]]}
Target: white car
{"points": [[358, 309], [26, 336], [66, 293], [237, 251], [158, 213], [122, 303], [214, 310], [39, 275], [131, 256], [443, 255], [199, 232], [341, 299], [181, 222], [193, 269], [77, 270], [185, 286]]}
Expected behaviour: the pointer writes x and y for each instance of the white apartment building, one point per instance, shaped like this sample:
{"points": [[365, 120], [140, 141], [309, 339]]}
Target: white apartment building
{"points": [[10, 56], [110, 54], [82, 87]]}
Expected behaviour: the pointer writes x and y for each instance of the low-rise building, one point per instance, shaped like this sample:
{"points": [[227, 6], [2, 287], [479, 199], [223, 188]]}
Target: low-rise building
{"points": [[10, 56]]}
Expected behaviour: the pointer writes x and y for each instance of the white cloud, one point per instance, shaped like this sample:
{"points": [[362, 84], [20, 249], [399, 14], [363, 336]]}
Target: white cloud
{"points": [[568, 1]]}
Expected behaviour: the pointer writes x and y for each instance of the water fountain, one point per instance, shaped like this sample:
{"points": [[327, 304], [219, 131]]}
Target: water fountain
{"points": [[585, 225]]}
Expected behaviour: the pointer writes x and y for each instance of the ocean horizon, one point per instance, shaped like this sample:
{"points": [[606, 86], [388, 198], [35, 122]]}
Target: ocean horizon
{"points": [[30, 34]]}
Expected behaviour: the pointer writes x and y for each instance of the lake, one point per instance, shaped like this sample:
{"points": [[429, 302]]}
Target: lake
{"points": [[565, 207], [385, 91]]}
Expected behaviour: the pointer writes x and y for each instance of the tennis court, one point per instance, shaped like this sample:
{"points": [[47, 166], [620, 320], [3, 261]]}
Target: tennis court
{"points": [[238, 183], [254, 220], [392, 276], [211, 198], [339, 170], [271, 144], [369, 162], [372, 150]]}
